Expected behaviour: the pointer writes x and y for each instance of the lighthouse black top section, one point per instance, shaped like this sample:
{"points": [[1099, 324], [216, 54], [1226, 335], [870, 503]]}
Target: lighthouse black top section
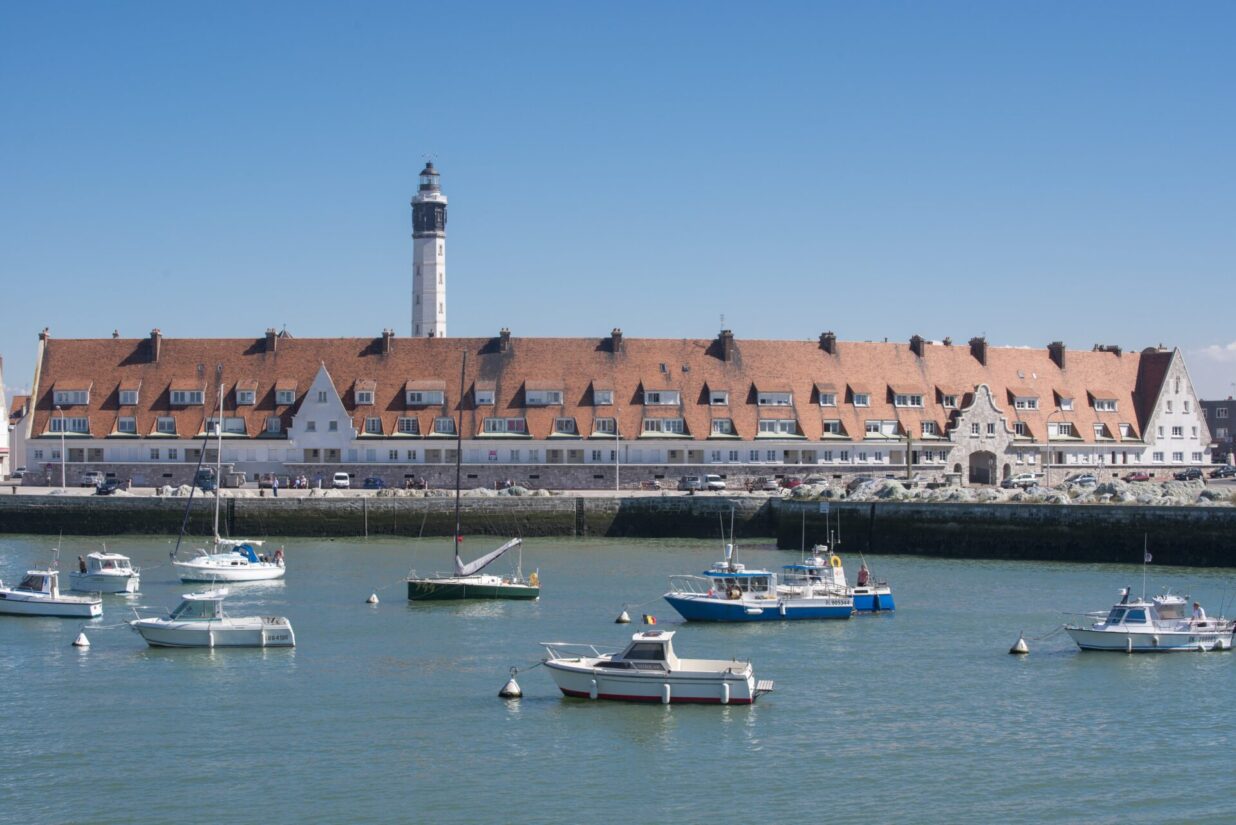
{"points": [[428, 219]]}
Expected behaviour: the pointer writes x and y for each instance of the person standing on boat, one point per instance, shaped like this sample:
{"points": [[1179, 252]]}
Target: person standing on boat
{"points": [[81, 564], [864, 575], [1199, 615]]}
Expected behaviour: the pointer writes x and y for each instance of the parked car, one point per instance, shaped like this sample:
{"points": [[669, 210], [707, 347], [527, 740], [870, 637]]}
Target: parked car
{"points": [[1022, 480], [108, 487], [691, 483], [815, 479], [205, 480], [714, 482], [764, 484], [1226, 471], [790, 482], [341, 481], [1188, 474], [20, 472], [92, 479], [1138, 475], [374, 483], [266, 481], [1085, 479], [855, 481]]}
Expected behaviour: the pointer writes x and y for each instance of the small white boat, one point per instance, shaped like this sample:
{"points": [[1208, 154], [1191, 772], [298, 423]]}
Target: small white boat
{"points": [[105, 573], [199, 621], [232, 560], [649, 671], [39, 595], [1160, 625]]}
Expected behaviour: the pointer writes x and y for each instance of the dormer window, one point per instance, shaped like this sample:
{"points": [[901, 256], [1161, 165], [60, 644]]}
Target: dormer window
{"points": [[373, 425], [1025, 403], [828, 399], [245, 396], [126, 424], [832, 427], [719, 398], [778, 426], [949, 402], [424, 398], [285, 396], [128, 398], [1066, 404], [364, 397], [664, 398], [484, 397], [602, 398], [775, 399], [166, 425], [605, 426], [1105, 404], [929, 428], [564, 426], [186, 398], [499, 426], [540, 397], [908, 400], [664, 425], [65, 424], [862, 399], [408, 426], [722, 426], [67, 398], [444, 425]]}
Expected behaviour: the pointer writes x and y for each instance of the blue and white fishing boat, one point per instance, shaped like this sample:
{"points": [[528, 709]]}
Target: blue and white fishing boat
{"points": [[1160, 625], [822, 573], [729, 592]]}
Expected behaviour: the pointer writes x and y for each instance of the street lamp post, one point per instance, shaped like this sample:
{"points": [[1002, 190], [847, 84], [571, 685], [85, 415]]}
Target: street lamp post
{"points": [[60, 413], [617, 455]]}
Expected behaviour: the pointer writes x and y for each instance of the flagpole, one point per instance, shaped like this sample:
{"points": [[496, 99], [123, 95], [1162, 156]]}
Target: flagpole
{"points": [[1145, 561]]}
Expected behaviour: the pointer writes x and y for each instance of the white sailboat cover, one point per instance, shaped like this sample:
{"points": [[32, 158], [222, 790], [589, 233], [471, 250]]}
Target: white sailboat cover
{"points": [[471, 567]]}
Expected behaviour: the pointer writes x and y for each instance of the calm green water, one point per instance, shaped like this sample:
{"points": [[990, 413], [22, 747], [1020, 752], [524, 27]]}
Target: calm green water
{"points": [[390, 713]]}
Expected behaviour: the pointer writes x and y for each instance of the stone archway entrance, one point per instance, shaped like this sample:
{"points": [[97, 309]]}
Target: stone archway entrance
{"points": [[1006, 473], [982, 467]]}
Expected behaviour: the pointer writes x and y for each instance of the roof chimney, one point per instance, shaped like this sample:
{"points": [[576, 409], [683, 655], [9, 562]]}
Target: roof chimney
{"points": [[271, 339], [156, 343], [504, 340], [615, 340], [115, 334], [1056, 351], [45, 334], [388, 342], [916, 345], [727, 345], [1113, 348], [828, 342], [948, 342], [978, 348]]}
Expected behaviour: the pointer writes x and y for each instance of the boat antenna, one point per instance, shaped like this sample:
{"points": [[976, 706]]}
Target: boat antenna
{"points": [[732, 544], [463, 367], [1145, 561], [802, 539]]}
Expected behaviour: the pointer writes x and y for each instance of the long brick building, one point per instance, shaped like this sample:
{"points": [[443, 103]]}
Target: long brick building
{"points": [[574, 412]]}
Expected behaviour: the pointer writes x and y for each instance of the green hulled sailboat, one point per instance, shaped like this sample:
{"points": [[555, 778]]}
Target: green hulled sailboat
{"points": [[468, 582]]}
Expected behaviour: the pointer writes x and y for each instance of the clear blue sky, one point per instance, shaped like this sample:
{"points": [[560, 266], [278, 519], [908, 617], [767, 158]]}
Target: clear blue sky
{"points": [[1032, 171]]}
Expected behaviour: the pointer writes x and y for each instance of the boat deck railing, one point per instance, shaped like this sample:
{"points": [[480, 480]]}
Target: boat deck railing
{"points": [[571, 650]]}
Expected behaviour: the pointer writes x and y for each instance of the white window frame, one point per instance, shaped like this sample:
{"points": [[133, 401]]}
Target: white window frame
{"points": [[70, 398], [484, 398], [283, 397], [723, 426], [718, 398], [274, 424], [187, 398], [674, 426], [775, 399], [1109, 404], [498, 425], [408, 425], [127, 424], [828, 399], [605, 426], [662, 398], [128, 398], [602, 398], [862, 399], [444, 425], [565, 425], [245, 397], [1026, 403], [424, 398], [907, 400], [166, 425], [364, 397], [542, 398]]}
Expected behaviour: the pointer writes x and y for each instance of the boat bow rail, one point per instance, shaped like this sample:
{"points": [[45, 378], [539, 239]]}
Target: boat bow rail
{"points": [[573, 651]]}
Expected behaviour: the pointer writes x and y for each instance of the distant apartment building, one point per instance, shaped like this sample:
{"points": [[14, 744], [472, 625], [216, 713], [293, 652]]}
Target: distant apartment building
{"points": [[592, 412], [1221, 416]]}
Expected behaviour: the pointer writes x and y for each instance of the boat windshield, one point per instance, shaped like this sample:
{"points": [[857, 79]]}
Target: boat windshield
{"points": [[34, 583], [747, 584], [1116, 615], [649, 651], [195, 609], [1135, 616]]}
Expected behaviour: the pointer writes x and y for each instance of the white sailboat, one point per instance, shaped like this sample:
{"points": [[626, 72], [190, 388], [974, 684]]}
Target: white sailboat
{"points": [[228, 560]]}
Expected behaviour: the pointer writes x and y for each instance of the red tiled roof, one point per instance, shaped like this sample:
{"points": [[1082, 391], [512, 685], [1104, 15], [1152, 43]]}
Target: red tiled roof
{"points": [[575, 364]]}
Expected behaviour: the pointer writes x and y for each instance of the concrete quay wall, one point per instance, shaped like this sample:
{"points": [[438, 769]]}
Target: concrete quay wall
{"points": [[1197, 536], [1193, 536]]}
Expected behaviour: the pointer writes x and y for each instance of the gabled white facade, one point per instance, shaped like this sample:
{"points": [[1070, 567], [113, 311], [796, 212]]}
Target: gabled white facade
{"points": [[321, 428], [1176, 432]]}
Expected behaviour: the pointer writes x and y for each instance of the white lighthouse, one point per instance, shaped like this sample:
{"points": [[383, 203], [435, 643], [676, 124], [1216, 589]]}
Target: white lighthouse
{"points": [[429, 257]]}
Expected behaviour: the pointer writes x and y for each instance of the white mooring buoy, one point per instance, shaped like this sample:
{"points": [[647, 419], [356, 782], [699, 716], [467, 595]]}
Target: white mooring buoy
{"points": [[511, 690], [81, 640], [1020, 647], [373, 599], [623, 618]]}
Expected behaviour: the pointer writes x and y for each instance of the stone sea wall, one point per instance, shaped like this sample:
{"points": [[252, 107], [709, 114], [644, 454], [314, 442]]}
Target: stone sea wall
{"points": [[1196, 535]]}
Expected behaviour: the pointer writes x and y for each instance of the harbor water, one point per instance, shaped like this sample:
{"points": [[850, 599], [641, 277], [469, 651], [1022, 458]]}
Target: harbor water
{"points": [[390, 713]]}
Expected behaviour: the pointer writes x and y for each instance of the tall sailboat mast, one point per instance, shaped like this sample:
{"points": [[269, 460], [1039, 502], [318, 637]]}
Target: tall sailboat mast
{"points": [[218, 454], [459, 456]]}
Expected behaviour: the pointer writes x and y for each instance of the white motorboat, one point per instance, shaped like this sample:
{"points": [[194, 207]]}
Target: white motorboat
{"points": [[1161, 625], [232, 560], [199, 621], [648, 670], [105, 573], [228, 560], [39, 594]]}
